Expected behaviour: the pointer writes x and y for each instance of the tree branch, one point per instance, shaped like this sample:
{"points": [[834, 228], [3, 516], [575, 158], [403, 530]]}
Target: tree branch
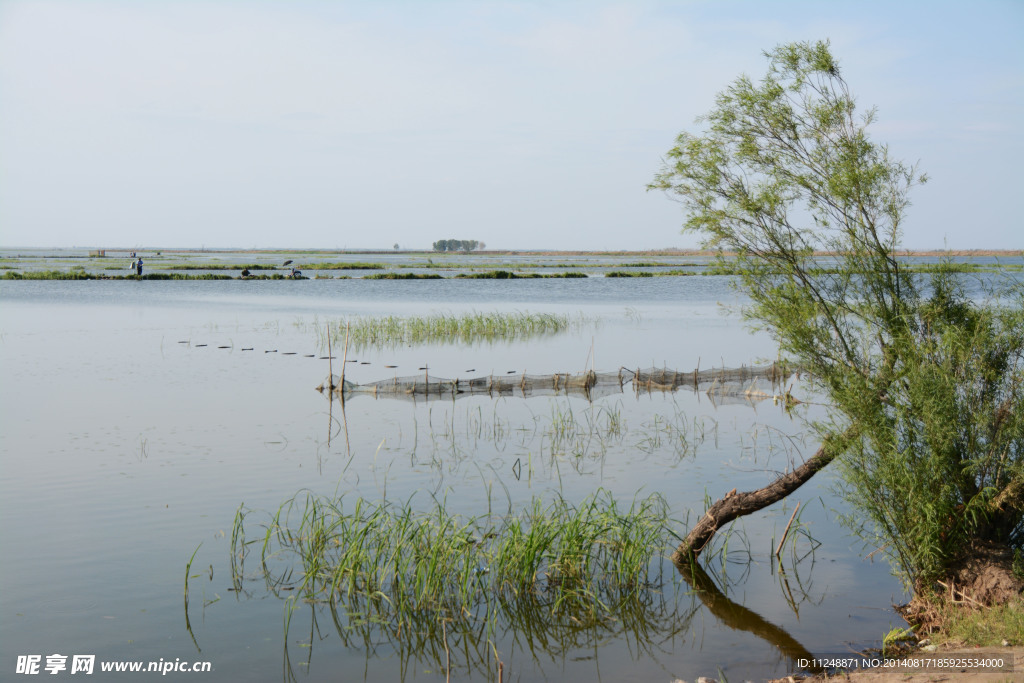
{"points": [[735, 505]]}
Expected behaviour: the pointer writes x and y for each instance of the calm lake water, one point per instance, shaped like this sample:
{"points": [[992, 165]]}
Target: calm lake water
{"points": [[130, 438]]}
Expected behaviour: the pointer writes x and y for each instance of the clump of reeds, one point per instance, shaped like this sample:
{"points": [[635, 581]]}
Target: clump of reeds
{"points": [[403, 276], [629, 273], [389, 331], [219, 266], [341, 265], [508, 275], [180, 276], [497, 275], [580, 562], [495, 265], [648, 273], [74, 274]]}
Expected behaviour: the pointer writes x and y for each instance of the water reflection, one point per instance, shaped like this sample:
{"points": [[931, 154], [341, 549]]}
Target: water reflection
{"points": [[476, 647], [740, 618], [515, 635], [161, 438], [370, 574]]}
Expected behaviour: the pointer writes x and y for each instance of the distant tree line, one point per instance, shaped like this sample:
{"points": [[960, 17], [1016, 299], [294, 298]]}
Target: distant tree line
{"points": [[458, 245]]}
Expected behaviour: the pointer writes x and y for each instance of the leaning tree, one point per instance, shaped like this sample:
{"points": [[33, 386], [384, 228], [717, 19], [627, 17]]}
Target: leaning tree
{"points": [[924, 381]]}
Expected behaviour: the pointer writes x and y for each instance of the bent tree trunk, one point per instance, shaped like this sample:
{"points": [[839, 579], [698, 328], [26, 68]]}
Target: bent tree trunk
{"points": [[735, 505]]}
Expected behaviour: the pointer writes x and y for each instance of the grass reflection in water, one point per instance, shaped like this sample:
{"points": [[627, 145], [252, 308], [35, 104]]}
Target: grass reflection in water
{"points": [[444, 592], [550, 578]]}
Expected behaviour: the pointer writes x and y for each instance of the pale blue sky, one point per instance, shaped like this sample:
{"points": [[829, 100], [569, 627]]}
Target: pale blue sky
{"points": [[527, 125]]}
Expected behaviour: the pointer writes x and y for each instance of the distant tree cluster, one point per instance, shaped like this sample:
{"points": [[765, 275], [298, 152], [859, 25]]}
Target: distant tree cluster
{"points": [[458, 245]]}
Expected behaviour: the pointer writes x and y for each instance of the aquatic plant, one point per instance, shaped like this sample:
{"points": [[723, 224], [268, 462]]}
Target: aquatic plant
{"points": [[83, 275], [508, 275], [403, 276], [648, 273], [398, 565], [218, 266], [341, 265], [629, 273], [179, 276], [498, 275], [390, 331], [449, 610], [492, 263], [48, 275]]}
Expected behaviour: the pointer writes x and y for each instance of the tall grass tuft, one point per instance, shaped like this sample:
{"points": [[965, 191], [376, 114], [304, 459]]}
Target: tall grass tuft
{"points": [[75, 274], [392, 331], [398, 565], [403, 276], [509, 275]]}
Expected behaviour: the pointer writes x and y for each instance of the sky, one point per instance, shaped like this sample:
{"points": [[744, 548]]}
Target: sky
{"points": [[523, 125]]}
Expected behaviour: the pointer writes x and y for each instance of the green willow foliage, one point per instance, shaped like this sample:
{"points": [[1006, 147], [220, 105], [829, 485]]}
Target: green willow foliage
{"points": [[925, 383], [940, 463]]}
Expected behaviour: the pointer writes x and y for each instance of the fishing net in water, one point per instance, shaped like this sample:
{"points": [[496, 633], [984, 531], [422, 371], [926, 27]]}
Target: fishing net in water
{"points": [[745, 383]]}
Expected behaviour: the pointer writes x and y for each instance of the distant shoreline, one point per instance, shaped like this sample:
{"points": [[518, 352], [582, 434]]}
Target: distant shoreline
{"points": [[116, 252]]}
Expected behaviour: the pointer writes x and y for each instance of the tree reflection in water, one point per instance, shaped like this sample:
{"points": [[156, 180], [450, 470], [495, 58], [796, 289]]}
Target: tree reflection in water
{"points": [[740, 618]]}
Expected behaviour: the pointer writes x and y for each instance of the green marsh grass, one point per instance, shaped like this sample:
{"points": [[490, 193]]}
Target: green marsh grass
{"points": [[649, 273], [218, 266], [392, 331], [341, 265], [181, 276], [75, 274], [453, 593], [188, 569], [509, 275], [391, 563], [650, 625], [579, 438], [494, 265], [412, 576], [403, 276]]}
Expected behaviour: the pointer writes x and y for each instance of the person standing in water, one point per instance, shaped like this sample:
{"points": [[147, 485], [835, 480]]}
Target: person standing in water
{"points": [[138, 267]]}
